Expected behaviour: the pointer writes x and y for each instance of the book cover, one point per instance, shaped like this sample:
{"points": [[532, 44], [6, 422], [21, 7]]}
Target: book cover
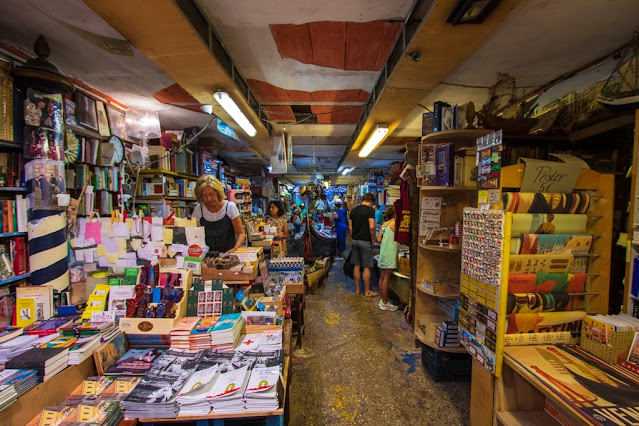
{"points": [[37, 358], [9, 332], [136, 362], [60, 342], [226, 322], [25, 312], [42, 296], [444, 165], [437, 115], [633, 353], [118, 297], [110, 352]]}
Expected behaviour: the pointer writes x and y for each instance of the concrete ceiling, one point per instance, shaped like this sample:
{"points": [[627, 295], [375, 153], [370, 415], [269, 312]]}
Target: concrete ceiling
{"points": [[533, 41]]}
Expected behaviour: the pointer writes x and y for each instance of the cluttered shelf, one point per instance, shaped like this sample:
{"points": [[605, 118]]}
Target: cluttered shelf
{"points": [[13, 189], [448, 188], [167, 173], [163, 197], [15, 278], [435, 247], [443, 296], [455, 136], [422, 338]]}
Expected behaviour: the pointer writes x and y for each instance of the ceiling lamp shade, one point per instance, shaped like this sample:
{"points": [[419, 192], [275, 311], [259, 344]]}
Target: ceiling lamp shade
{"points": [[142, 124], [236, 114], [374, 140]]}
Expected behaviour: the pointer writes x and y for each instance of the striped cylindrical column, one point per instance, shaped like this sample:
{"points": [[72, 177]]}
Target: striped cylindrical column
{"points": [[48, 251]]}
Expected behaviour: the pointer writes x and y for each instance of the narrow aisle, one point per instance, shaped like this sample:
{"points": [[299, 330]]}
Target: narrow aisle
{"points": [[359, 365]]}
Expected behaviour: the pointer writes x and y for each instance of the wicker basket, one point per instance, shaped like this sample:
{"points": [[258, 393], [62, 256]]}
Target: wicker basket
{"points": [[618, 342]]}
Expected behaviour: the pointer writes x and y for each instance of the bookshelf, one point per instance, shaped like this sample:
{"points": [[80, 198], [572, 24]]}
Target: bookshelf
{"points": [[440, 264]]}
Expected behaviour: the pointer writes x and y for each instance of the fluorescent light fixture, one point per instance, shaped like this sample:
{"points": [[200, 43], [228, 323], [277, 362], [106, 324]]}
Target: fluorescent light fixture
{"points": [[346, 171], [376, 138], [232, 109]]}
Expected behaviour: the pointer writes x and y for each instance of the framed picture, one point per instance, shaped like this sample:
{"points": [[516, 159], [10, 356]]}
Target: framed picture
{"points": [[85, 111], [103, 123], [117, 123]]}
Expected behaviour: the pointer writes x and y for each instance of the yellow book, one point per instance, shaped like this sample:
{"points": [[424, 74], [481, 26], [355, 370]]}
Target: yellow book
{"points": [[97, 300], [25, 312]]}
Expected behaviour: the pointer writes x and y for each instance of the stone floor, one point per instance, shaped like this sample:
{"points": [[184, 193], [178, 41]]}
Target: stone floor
{"points": [[359, 365]]}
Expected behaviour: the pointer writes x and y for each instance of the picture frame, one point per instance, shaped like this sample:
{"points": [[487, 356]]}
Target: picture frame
{"points": [[117, 122], [103, 123], [86, 113]]}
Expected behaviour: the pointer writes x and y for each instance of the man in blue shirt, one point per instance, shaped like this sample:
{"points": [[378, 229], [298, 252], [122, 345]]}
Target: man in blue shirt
{"points": [[379, 215]]}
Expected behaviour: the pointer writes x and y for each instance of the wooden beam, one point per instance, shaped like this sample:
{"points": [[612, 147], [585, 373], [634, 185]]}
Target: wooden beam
{"points": [[604, 126]]}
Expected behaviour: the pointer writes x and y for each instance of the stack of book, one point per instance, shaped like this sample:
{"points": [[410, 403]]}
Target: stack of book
{"points": [[447, 335], [136, 362], [83, 348], [9, 332], [51, 325], [193, 397], [228, 393], [20, 380], [46, 361], [271, 340], [19, 345], [155, 395], [225, 335], [263, 389], [181, 332], [8, 395], [200, 337]]}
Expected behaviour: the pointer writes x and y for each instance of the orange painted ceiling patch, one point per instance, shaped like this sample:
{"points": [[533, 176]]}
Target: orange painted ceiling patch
{"points": [[266, 93], [353, 46], [177, 96]]}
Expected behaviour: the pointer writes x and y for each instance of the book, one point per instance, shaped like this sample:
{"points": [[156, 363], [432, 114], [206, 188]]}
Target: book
{"points": [[38, 358], [51, 325], [444, 159], [25, 312], [9, 332], [110, 352], [438, 115], [60, 342], [118, 297], [136, 362], [633, 353], [97, 301]]}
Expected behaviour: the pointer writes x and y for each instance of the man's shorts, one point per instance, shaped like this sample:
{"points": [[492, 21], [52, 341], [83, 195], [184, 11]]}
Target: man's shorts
{"points": [[362, 253]]}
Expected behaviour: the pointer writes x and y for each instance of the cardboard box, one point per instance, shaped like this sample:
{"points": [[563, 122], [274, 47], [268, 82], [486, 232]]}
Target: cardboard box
{"points": [[160, 325]]}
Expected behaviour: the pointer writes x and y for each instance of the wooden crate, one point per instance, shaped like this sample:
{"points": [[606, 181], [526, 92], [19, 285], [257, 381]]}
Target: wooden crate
{"points": [[160, 325]]}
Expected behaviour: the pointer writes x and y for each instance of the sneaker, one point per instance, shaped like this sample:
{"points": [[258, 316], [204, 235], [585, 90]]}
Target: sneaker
{"points": [[387, 306]]}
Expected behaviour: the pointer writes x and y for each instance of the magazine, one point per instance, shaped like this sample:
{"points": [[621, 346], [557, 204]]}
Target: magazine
{"points": [[136, 362]]}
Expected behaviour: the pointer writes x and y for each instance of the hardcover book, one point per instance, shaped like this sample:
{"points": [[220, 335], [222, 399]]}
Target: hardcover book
{"points": [[444, 165], [136, 362]]}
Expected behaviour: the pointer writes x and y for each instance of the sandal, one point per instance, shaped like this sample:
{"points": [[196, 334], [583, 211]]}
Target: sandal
{"points": [[371, 294]]}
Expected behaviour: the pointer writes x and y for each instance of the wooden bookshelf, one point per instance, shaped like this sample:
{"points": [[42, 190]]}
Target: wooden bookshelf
{"points": [[10, 144], [167, 173]]}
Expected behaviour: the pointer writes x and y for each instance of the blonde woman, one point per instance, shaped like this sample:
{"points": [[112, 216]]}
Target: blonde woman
{"points": [[220, 218]]}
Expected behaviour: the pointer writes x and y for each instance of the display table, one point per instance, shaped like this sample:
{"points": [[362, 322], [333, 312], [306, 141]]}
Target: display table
{"points": [[271, 418], [50, 393], [567, 382]]}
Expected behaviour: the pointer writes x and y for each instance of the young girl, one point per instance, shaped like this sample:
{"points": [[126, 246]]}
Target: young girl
{"points": [[387, 258]]}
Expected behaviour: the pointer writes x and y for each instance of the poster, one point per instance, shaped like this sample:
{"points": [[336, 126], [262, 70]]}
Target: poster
{"points": [[603, 394]]}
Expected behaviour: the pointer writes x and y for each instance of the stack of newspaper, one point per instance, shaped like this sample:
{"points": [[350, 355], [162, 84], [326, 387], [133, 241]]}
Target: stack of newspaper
{"points": [[155, 396]]}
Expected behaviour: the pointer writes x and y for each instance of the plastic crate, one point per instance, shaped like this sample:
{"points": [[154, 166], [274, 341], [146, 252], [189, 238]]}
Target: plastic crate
{"points": [[446, 366]]}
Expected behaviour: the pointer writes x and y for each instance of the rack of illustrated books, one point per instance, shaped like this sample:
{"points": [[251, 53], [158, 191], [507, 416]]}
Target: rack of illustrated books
{"points": [[537, 261]]}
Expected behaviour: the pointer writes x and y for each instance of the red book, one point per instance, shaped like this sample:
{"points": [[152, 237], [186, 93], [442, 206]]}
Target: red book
{"points": [[19, 256]]}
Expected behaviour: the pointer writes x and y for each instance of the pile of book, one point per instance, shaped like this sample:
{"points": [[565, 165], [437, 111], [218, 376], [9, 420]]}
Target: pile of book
{"points": [[83, 348], [263, 389], [14, 383], [135, 362], [46, 361], [447, 335], [155, 395], [228, 394], [52, 325], [227, 332], [21, 344], [94, 402], [200, 337], [181, 332]]}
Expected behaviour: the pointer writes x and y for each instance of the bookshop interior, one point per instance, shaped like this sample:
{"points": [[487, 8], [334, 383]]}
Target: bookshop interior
{"points": [[408, 212]]}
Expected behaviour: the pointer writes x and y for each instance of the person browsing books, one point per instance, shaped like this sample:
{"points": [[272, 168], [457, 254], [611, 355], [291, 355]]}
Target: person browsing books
{"points": [[388, 252], [276, 217], [362, 230], [223, 230], [340, 219]]}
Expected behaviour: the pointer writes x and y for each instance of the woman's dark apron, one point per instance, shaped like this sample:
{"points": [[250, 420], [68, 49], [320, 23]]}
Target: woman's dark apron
{"points": [[220, 234]]}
